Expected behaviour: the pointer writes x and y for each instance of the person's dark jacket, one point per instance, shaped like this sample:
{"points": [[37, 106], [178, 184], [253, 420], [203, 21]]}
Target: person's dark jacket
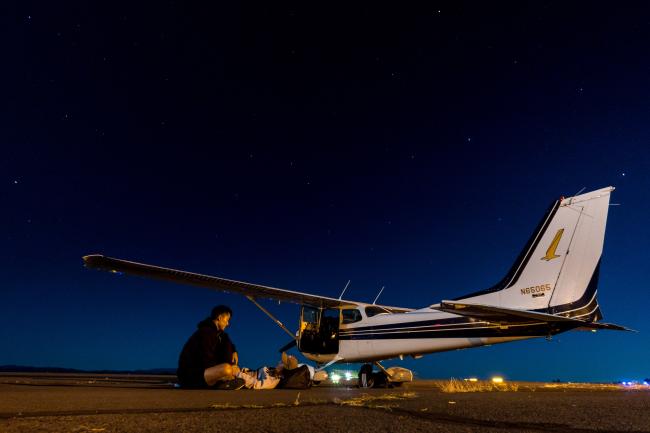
{"points": [[207, 347]]}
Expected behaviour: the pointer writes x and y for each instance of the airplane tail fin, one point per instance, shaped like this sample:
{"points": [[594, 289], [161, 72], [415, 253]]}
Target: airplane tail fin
{"points": [[557, 272]]}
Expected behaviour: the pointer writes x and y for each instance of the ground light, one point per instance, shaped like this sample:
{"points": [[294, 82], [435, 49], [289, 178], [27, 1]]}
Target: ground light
{"points": [[341, 376]]}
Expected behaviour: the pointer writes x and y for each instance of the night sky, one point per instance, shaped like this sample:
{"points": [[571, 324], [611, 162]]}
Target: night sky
{"points": [[304, 146]]}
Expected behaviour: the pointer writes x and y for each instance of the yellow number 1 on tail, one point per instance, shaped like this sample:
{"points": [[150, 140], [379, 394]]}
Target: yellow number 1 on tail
{"points": [[550, 253]]}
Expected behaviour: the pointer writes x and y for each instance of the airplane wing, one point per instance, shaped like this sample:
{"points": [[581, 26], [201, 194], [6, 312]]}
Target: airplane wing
{"points": [[492, 313], [97, 261]]}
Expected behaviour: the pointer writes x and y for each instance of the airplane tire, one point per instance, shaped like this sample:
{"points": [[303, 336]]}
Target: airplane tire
{"points": [[365, 376]]}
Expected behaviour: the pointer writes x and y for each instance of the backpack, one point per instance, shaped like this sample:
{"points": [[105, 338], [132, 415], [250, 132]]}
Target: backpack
{"points": [[298, 378]]}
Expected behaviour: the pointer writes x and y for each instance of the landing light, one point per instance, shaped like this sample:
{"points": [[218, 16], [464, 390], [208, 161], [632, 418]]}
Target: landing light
{"points": [[497, 379]]}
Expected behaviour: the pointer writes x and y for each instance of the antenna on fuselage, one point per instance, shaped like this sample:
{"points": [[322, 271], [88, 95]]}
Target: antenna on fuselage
{"points": [[378, 294], [344, 289]]}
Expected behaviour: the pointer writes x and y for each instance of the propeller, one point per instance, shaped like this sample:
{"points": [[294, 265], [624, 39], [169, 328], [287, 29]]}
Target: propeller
{"points": [[288, 346]]}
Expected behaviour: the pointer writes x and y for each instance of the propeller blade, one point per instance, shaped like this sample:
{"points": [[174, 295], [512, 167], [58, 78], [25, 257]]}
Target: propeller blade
{"points": [[288, 346]]}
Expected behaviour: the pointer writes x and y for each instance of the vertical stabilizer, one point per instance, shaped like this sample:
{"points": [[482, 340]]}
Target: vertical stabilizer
{"points": [[557, 272]]}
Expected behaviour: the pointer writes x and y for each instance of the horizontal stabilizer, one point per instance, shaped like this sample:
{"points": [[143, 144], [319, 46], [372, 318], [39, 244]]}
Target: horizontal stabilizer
{"points": [[491, 313], [610, 326]]}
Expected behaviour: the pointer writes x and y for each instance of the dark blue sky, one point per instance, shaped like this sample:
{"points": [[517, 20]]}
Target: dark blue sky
{"points": [[302, 146]]}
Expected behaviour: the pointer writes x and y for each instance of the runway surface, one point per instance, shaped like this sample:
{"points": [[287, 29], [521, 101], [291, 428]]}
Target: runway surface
{"points": [[113, 403]]}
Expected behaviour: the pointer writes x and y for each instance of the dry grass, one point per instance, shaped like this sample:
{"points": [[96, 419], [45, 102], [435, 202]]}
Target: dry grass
{"points": [[224, 406], [385, 401], [594, 386], [455, 385], [85, 428]]}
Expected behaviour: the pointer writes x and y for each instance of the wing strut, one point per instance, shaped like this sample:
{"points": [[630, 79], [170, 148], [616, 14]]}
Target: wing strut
{"points": [[381, 367], [291, 334], [336, 359]]}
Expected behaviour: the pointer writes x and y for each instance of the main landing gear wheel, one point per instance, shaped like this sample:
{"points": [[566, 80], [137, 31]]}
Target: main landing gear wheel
{"points": [[366, 379]]}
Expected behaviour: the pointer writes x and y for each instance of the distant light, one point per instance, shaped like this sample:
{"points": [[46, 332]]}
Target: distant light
{"points": [[470, 379], [348, 375], [497, 379], [336, 378], [645, 382]]}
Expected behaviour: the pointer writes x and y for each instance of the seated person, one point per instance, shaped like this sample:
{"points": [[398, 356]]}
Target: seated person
{"points": [[209, 359]]}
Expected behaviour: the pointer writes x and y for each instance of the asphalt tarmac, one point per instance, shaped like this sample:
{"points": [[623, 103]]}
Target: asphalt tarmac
{"points": [[113, 403]]}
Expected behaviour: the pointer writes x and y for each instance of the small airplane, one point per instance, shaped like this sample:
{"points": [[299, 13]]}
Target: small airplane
{"points": [[551, 288]]}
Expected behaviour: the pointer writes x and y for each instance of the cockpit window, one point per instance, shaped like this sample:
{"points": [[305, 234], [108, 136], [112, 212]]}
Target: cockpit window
{"points": [[373, 311], [351, 316]]}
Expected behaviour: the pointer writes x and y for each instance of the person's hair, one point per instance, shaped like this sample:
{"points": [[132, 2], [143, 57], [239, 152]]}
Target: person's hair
{"points": [[219, 310]]}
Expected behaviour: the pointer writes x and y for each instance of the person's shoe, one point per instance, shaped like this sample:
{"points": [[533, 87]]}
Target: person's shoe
{"points": [[249, 378], [232, 384]]}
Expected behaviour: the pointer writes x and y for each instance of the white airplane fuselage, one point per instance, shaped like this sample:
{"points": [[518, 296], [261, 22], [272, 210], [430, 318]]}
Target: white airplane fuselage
{"points": [[386, 336]]}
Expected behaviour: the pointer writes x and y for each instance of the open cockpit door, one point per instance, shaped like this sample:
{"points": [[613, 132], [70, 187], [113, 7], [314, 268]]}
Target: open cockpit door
{"points": [[319, 330]]}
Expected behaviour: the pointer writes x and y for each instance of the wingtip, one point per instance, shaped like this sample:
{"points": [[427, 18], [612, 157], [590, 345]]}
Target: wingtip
{"points": [[91, 259]]}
